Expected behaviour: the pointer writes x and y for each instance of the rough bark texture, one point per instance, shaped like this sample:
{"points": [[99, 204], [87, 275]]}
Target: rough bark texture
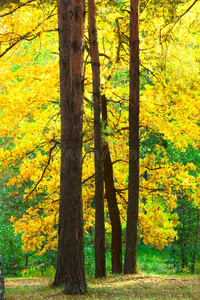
{"points": [[70, 261], [116, 246], [100, 264], [2, 287], [133, 192]]}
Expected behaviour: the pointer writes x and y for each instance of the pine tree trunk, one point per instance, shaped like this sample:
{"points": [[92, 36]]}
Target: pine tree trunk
{"points": [[133, 191], [2, 286], [70, 262], [100, 263], [116, 246]]}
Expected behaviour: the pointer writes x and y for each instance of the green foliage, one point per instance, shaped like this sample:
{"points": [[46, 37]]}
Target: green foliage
{"points": [[149, 259], [189, 155], [186, 250], [13, 258], [121, 77], [38, 272], [90, 254], [153, 261]]}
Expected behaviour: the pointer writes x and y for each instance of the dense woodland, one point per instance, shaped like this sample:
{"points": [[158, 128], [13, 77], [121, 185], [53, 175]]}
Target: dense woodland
{"points": [[76, 160]]}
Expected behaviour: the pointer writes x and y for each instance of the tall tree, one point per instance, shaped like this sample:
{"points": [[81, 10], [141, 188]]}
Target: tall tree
{"points": [[2, 287], [133, 189], [100, 263], [116, 245], [70, 261]]}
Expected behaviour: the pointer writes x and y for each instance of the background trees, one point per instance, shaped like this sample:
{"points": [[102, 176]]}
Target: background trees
{"points": [[169, 123]]}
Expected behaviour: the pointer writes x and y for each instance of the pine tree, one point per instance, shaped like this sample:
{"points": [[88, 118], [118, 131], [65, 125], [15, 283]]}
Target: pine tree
{"points": [[70, 262], [133, 191]]}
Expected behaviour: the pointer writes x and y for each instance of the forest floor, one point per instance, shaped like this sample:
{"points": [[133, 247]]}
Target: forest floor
{"points": [[138, 286]]}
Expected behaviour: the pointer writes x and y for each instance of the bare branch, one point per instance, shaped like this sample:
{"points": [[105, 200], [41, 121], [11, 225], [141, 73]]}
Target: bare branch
{"points": [[18, 7], [119, 193], [43, 173], [152, 190], [178, 19], [27, 35], [90, 177]]}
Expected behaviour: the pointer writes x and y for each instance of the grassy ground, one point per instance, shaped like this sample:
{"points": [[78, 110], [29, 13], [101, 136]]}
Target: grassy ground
{"points": [[155, 280], [115, 287], [152, 261]]}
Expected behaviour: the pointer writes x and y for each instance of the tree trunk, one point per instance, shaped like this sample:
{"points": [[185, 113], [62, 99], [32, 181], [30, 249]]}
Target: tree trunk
{"points": [[133, 191], [116, 246], [26, 261], [13, 256], [70, 262], [195, 251], [100, 263], [2, 286]]}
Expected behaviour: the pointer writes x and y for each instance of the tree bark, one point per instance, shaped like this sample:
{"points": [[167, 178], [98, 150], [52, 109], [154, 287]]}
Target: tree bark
{"points": [[100, 262], [133, 191], [116, 246], [70, 262], [2, 286]]}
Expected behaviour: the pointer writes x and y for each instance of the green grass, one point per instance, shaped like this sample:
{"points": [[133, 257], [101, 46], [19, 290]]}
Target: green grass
{"points": [[152, 261]]}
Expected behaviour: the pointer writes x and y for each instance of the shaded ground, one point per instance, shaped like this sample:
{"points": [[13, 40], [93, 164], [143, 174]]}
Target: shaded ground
{"points": [[115, 287]]}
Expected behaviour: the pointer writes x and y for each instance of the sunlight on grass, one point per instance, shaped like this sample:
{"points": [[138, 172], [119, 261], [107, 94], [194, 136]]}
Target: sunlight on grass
{"points": [[115, 287]]}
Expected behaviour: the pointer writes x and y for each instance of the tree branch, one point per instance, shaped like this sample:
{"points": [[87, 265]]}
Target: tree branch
{"points": [[26, 36], [90, 177], [18, 7], [43, 173], [178, 19]]}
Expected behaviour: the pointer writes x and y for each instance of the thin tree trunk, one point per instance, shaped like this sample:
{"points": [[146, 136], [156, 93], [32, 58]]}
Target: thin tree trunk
{"points": [[100, 263], [13, 256], [195, 244], [182, 239], [2, 286], [70, 261], [116, 246], [133, 191], [26, 260]]}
